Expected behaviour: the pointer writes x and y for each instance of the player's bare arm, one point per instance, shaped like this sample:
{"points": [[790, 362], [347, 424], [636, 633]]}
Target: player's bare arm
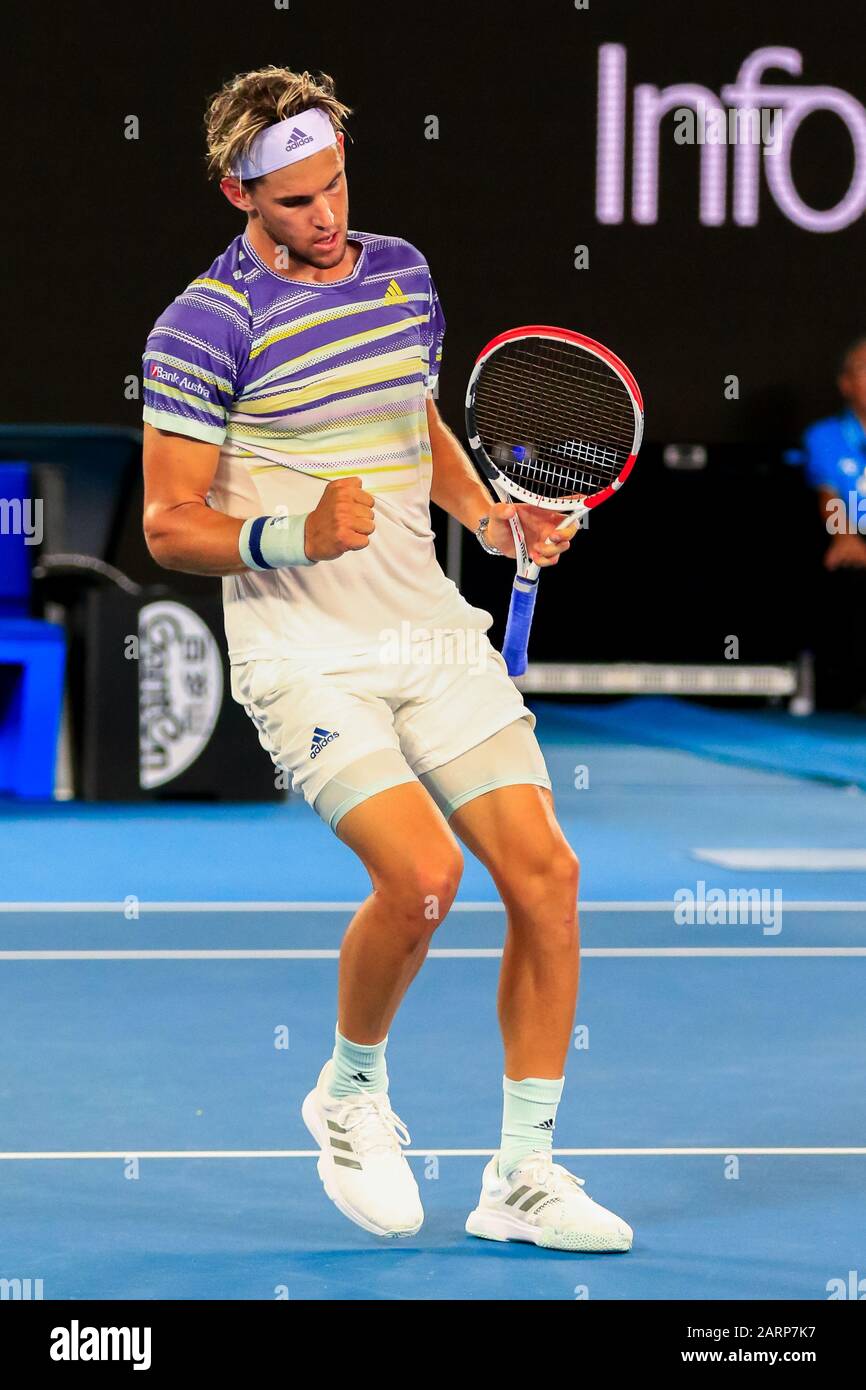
{"points": [[184, 533], [181, 530], [458, 490]]}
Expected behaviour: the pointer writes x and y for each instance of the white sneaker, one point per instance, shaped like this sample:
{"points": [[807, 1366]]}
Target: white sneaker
{"points": [[361, 1163], [540, 1201]]}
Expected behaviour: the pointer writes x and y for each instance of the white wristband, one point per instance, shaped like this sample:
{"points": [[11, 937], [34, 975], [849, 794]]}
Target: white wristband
{"points": [[273, 542]]}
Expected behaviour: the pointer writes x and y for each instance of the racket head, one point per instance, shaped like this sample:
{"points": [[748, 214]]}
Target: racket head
{"points": [[553, 417]]}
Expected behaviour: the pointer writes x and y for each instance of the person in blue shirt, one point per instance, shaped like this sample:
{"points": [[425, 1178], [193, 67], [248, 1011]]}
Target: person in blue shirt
{"points": [[835, 458], [834, 454]]}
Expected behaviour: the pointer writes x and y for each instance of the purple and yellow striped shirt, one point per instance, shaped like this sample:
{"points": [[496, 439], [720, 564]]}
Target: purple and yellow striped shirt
{"points": [[300, 383]]}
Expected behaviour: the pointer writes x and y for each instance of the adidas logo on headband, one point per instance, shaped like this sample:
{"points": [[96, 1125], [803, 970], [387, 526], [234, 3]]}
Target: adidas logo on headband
{"points": [[285, 142], [298, 138]]}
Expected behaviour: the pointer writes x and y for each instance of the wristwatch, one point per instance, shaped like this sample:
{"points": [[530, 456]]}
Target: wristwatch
{"points": [[481, 533]]}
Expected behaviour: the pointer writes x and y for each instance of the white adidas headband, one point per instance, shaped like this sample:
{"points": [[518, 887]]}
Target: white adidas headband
{"points": [[285, 143]]}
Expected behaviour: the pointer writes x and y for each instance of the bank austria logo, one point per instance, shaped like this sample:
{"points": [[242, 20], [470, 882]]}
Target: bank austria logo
{"points": [[180, 690], [750, 97], [178, 379]]}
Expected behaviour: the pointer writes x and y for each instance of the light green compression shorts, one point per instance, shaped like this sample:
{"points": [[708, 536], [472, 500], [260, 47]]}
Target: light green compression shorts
{"points": [[508, 758], [346, 727]]}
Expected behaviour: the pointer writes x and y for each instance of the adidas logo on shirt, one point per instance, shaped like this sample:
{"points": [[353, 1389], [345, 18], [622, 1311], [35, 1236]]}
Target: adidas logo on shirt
{"points": [[321, 738], [394, 295]]}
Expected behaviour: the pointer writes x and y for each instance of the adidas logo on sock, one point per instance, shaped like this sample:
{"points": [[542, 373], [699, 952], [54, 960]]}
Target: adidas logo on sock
{"points": [[361, 1076], [321, 738], [545, 1124]]}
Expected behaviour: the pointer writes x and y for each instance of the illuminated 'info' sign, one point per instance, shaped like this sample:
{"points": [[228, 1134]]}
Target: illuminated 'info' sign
{"points": [[791, 105]]}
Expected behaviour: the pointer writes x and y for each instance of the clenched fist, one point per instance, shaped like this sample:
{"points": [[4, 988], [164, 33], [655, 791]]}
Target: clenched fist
{"points": [[343, 520]]}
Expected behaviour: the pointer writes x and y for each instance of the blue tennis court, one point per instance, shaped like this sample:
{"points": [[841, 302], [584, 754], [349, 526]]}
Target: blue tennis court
{"points": [[168, 988], [385, 396]]}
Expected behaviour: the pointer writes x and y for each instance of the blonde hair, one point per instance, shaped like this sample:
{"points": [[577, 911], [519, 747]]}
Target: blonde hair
{"points": [[251, 101]]}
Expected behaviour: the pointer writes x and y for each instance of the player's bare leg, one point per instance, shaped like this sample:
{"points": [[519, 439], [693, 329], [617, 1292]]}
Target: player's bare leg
{"points": [[414, 863], [525, 1196], [515, 834]]}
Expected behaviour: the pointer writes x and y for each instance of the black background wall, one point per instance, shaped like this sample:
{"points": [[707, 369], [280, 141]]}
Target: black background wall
{"points": [[102, 232]]}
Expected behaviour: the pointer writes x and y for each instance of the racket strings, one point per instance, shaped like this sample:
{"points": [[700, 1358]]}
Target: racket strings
{"points": [[601, 466], [580, 368], [596, 425], [571, 368], [554, 418]]}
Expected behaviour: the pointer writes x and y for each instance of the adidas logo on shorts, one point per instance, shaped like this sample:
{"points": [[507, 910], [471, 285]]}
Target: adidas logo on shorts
{"points": [[321, 738]]}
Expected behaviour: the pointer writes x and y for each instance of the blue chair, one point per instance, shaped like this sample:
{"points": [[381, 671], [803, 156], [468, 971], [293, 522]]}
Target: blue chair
{"points": [[32, 652]]}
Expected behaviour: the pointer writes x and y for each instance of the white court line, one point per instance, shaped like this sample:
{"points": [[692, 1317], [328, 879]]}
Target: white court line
{"points": [[627, 905], [787, 860], [446, 953], [126, 1154]]}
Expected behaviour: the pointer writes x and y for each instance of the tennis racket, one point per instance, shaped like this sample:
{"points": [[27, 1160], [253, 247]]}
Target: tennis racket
{"points": [[556, 420]]}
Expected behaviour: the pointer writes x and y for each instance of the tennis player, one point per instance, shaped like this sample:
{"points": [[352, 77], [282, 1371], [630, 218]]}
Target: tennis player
{"points": [[292, 445]]}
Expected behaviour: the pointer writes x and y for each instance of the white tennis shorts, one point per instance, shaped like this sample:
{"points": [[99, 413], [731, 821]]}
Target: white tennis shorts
{"points": [[322, 716]]}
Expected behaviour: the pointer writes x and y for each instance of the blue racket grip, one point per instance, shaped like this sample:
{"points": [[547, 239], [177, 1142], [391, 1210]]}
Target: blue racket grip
{"points": [[519, 622]]}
